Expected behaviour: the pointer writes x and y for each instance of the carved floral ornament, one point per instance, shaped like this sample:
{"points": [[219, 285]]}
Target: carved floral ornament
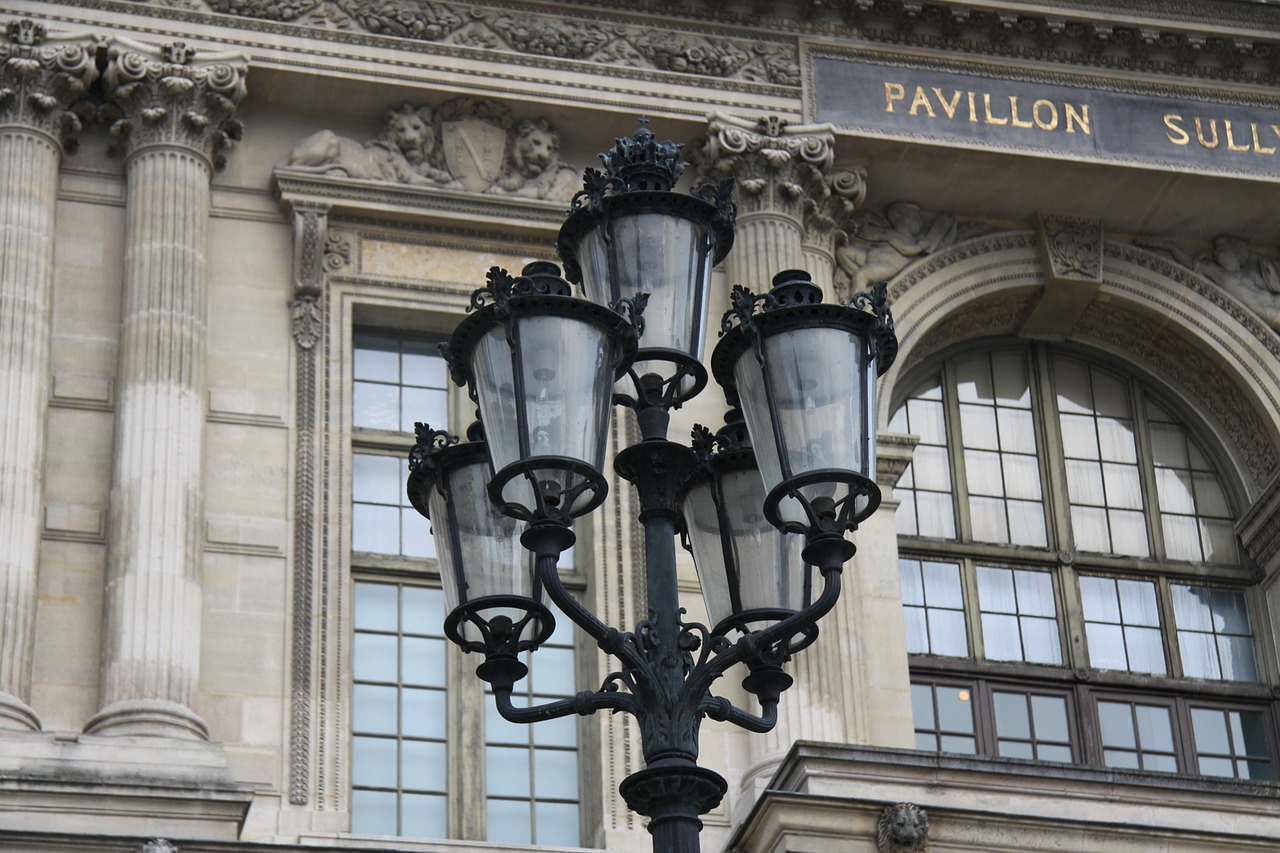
{"points": [[44, 81], [552, 36]]}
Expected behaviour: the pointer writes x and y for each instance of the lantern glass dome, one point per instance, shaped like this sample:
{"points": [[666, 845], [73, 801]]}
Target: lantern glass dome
{"points": [[486, 575], [541, 366], [804, 373], [751, 572]]}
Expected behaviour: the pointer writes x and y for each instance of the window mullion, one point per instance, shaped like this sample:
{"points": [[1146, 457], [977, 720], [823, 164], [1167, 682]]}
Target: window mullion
{"points": [[955, 452], [972, 610], [1147, 473], [1170, 628], [1053, 463], [1071, 615]]}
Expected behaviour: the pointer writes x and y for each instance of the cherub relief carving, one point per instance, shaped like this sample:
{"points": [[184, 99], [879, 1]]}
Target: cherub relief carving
{"points": [[536, 169], [1233, 266], [879, 247], [403, 151]]}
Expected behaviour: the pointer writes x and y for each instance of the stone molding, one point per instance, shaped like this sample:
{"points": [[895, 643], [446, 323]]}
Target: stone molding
{"points": [[44, 80], [173, 95], [1259, 529]]}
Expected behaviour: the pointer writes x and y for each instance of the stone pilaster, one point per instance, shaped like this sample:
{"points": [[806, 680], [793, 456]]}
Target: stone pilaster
{"points": [[790, 196], [41, 79], [173, 112]]}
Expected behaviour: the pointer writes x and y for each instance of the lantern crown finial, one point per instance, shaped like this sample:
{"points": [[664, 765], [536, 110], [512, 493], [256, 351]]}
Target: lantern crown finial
{"points": [[642, 163]]}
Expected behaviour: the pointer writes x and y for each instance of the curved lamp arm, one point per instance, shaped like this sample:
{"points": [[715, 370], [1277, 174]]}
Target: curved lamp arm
{"points": [[584, 703]]}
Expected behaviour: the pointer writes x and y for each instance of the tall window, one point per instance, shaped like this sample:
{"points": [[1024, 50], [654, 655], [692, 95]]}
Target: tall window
{"points": [[1072, 586], [409, 717]]}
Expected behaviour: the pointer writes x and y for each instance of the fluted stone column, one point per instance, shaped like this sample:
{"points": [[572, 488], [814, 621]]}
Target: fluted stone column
{"points": [[791, 198], [175, 117], [790, 195], [40, 80]]}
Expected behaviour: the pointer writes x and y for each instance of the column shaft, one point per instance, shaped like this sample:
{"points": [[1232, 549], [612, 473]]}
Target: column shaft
{"points": [[28, 195], [765, 244], [151, 642]]}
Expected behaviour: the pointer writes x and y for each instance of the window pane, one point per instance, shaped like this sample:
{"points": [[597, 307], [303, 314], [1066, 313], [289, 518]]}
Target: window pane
{"points": [[1154, 728], [1128, 533], [1210, 728], [1000, 637], [1084, 482], [955, 710], [1050, 715], [1115, 719], [926, 418], [1035, 593], [988, 519], [1026, 523], [375, 529], [1146, 650], [374, 710], [1009, 371], [1021, 476], [373, 812], [375, 606], [423, 816], [1017, 432], [959, 744], [983, 471], [922, 706], [555, 773], [973, 380], [1079, 439], [947, 633], [917, 626], [1089, 526], [422, 765], [909, 574], [376, 657], [1138, 603], [1175, 490], [375, 358], [557, 824], [942, 584], [373, 762], [507, 771], [1199, 655], [1106, 646], [375, 406], [1101, 603], [1012, 719], [1121, 481], [509, 821], [1236, 656], [995, 590], [935, 515], [1040, 641], [423, 661], [1115, 440], [978, 427], [423, 713]]}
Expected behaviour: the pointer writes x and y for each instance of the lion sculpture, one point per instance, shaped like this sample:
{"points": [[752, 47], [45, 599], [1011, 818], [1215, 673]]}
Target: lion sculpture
{"points": [[903, 828], [402, 152], [536, 168]]}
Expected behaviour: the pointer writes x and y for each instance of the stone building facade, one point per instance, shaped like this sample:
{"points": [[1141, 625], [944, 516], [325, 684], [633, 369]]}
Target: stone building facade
{"points": [[231, 232]]}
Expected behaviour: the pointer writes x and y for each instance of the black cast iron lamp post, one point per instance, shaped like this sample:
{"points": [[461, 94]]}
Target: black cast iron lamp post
{"points": [[541, 366]]}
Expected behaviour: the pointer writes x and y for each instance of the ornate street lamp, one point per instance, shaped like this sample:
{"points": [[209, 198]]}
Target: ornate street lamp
{"points": [[541, 366]]}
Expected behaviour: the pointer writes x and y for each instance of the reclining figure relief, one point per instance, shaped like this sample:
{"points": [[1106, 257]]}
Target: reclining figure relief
{"points": [[469, 144], [403, 151]]}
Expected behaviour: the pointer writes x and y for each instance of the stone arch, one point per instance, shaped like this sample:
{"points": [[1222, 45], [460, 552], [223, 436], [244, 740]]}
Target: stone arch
{"points": [[1185, 331]]}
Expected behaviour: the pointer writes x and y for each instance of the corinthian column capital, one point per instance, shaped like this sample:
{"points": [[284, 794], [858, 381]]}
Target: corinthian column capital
{"points": [[174, 95], [783, 168], [43, 79]]}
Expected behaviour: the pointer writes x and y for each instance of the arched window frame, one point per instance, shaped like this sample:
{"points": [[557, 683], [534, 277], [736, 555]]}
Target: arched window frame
{"points": [[1080, 685]]}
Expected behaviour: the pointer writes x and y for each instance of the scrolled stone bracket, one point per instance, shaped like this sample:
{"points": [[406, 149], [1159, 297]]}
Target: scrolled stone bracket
{"points": [[44, 80], [173, 95]]}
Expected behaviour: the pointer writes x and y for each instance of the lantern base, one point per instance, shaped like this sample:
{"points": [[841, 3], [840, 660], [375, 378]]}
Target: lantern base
{"points": [[548, 487], [858, 497], [520, 624], [660, 378]]}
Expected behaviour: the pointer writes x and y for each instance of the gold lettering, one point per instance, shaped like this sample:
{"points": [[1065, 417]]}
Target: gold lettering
{"points": [[1275, 128], [948, 108], [1213, 126], [1051, 123], [973, 109], [1256, 145], [1182, 138], [986, 103], [921, 100], [1077, 117], [893, 92], [1231, 143], [1013, 108]]}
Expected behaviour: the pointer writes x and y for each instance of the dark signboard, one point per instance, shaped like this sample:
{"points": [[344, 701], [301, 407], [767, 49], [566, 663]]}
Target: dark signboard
{"points": [[982, 111]]}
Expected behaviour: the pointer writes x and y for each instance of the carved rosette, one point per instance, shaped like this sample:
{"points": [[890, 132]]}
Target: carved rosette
{"points": [[43, 80], [173, 95]]}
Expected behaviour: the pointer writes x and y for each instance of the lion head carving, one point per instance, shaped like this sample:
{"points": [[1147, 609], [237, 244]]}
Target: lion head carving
{"points": [[409, 130], [535, 148], [903, 828]]}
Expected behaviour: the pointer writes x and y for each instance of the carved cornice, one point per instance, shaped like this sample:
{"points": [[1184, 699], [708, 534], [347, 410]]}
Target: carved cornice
{"points": [[43, 80], [782, 168], [172, 95], [1185, 38]]}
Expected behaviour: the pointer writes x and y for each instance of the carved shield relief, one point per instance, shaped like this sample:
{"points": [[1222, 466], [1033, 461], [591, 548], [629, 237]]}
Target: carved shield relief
{"points": [[474, 150]]}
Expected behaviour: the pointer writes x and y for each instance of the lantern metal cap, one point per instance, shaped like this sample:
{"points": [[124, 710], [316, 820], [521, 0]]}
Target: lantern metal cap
{"points": [[642, 163], [795, 301]]}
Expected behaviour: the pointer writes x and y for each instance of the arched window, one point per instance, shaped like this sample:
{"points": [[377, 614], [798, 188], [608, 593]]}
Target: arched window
{"points": [[1072, 585]]}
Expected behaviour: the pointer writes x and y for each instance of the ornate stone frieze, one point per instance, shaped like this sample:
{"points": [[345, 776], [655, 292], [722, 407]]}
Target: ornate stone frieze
{"points": [[467, 143], [1230, 263], [43, 81], [553, 36], [1192, 39], [158, 845], [173, 95], [902, 828]]}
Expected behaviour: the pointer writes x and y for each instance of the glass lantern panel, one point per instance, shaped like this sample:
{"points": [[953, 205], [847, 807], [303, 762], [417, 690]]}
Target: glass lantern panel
{"points": [[821, 384], [663, 255], [489, 559], [567, 370]]}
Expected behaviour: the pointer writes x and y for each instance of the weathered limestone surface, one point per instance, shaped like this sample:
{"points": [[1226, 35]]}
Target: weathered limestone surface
{"points": [[175, 117], [39, 81]]}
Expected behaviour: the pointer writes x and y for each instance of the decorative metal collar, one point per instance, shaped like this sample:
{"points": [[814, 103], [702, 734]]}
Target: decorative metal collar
{"points": [[541, 278], [428, 440]]}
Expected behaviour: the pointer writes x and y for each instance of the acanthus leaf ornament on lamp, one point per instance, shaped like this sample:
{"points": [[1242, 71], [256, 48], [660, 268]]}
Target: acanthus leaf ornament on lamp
{"points": [[541, 366]]}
